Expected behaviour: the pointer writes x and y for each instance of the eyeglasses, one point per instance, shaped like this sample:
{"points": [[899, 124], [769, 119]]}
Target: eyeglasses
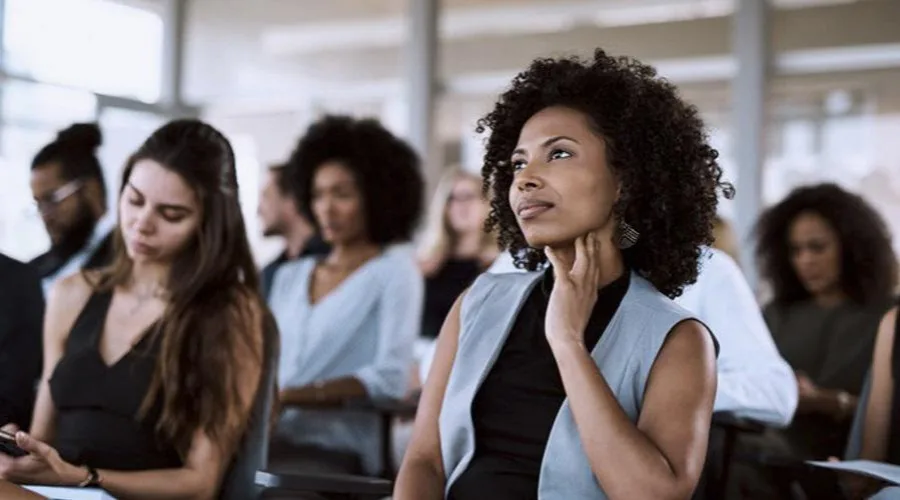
{"points": [[49, 202]]}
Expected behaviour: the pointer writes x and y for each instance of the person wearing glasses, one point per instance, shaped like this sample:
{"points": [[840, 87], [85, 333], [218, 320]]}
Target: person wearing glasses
{"points": [[70, 194]]}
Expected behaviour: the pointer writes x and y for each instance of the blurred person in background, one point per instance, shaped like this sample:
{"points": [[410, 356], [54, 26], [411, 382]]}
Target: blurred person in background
{"points": [[151, 365], [68, 187], [21, 320], [455, 248], [754, 380], [827, 256], [348, 319], [583, 380], [280, 216]]}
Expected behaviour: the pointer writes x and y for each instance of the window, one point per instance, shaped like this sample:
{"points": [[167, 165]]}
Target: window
{"points": [[92, 44]]}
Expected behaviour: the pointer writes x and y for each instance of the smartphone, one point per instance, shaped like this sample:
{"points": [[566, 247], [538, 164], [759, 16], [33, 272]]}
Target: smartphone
{"points": [[8, 445]]}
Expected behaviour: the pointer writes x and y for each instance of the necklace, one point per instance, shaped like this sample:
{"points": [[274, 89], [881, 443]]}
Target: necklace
{"points": [[155, 292]]}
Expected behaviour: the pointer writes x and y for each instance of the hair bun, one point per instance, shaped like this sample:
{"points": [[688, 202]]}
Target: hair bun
{"points": [[86, 136]]}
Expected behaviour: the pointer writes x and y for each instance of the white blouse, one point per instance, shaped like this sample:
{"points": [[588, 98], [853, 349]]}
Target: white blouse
{"points": [[364, 328]]}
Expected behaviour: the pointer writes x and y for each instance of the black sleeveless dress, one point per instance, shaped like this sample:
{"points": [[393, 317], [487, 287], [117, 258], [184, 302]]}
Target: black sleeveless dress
{"points": [[97, 405]]}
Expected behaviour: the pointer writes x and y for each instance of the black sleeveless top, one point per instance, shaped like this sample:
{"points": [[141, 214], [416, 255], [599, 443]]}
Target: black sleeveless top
{"points": [[97, 405], [442, 289], [516, 405]]}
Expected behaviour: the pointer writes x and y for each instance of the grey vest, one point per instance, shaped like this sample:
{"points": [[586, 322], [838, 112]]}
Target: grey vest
{"points": [[625, 354]]}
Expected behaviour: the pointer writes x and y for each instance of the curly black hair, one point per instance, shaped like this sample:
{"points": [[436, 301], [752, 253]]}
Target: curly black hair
{"points": [[656, 145], [386, 168], [868, 263]]}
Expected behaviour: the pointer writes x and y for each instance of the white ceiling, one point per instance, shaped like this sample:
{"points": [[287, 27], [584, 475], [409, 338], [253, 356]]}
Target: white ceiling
{"points": [[290, 50]]}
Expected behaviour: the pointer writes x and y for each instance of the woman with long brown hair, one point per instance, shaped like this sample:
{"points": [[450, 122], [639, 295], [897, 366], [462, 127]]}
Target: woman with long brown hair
{"points": [[151, 365]]}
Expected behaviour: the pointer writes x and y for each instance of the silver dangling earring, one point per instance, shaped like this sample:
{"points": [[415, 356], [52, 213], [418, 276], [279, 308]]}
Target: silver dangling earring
{"points": [[628, 236]]}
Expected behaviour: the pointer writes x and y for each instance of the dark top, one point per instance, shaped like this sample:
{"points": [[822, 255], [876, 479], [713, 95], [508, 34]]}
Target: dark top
{"points": [[516, 405], [893, 454], [53, 260], [98, 406], [21, 319], [315, 246], [833, 347], [442, 289]]}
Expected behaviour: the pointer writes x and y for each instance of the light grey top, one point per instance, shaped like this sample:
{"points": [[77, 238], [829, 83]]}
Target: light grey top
{"points": [[364, 328], [625, 354]]}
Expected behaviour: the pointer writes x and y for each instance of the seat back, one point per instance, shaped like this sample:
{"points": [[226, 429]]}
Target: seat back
{"points": [[239, 482], [854, 440]]}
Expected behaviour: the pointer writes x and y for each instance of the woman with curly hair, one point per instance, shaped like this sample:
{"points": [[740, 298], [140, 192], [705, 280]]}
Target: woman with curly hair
{"points": [[828, 258], [348, 320], [585, 380]]}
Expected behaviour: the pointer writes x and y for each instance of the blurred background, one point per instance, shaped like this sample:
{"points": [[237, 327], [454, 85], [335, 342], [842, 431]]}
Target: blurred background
{"points": [[793, 91]]}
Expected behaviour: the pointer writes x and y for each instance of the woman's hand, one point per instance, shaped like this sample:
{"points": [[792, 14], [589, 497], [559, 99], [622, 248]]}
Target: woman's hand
{"points": [[42, 465], [574, 292]]}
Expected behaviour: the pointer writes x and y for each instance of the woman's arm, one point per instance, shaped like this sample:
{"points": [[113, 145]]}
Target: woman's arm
{"points": [[421, 475], [662, 457], [65, 301], [877, 426]]}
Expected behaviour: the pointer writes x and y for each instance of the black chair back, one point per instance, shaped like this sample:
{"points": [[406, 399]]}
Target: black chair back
{"points": [[239, 482]]}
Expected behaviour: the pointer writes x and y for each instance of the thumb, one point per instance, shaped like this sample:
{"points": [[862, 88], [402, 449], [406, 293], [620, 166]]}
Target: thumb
{"points": [[32, 445]]}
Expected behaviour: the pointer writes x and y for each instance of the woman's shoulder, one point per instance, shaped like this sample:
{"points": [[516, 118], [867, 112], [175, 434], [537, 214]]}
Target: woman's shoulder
{"points": [[73, 290]]}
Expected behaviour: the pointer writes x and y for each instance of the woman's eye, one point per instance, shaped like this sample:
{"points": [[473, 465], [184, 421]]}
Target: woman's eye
{"points": [[559, 154], [134, 201], [518, 165]]}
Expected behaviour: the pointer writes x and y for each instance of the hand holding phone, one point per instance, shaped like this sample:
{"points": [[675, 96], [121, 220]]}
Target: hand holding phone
{"points": [[8, 445]]}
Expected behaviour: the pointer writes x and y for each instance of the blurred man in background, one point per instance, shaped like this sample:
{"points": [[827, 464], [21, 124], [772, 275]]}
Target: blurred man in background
{"points": [[69, 191], [280, 216]]}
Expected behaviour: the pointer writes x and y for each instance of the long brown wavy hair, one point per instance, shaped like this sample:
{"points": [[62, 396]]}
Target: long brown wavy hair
{"points": [[214, 309]]}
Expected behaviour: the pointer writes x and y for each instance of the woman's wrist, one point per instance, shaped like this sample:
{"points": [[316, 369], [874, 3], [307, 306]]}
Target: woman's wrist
{"points": [[74, 475]]}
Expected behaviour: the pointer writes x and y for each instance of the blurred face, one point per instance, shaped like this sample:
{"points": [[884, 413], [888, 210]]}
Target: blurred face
{"points": [[466, 210], [275, 209], [62, 204], [815, 253], [562, 186], [159, 214], [337, 204]]}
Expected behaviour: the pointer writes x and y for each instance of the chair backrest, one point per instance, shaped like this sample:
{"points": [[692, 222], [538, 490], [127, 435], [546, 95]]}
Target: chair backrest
{"points": [[854, 440], [239, 482]]}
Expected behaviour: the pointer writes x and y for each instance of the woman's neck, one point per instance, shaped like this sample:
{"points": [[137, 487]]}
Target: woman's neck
{"points": [[611, 263], [467, 245], [831, 298], [351, 255], [149, 279]]}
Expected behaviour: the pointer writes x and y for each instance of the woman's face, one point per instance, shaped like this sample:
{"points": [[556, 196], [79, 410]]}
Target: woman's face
{"points": [[562, 187], [815, 253], [159, 213], [466, 210], [337, 204]]}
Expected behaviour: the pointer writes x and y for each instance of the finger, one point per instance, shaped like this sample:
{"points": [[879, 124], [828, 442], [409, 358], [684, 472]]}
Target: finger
{"points": [[32, 445], [558, 271], [580, 267], [10, 428], [594, 253]]}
